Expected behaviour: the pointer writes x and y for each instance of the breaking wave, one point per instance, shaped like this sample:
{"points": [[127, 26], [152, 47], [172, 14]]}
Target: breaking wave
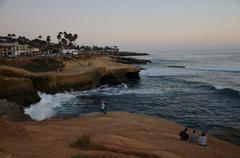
{"points": [[229, 92], [48, 104], [221, 90], [46, 107]]}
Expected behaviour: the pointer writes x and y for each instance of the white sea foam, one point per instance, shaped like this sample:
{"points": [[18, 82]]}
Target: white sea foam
{"points": [[118, 90], [48, 104], [46, 107]]}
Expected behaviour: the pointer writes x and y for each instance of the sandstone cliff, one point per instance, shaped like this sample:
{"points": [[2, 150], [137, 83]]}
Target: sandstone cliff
{"points": [[19, 90], [11, 111], [118, 135], [84, 74], [21, 85]]}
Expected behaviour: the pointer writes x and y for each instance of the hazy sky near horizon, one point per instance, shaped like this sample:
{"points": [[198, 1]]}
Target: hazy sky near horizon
{"points": [[130, 24]]}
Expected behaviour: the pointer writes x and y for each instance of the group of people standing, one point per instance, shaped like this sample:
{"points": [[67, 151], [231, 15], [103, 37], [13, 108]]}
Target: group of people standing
{"points": [[201, 140]]}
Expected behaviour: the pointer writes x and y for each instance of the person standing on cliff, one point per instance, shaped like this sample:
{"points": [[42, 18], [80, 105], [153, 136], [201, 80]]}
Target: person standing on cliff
{"points": [[103, 107], [194, 137]]}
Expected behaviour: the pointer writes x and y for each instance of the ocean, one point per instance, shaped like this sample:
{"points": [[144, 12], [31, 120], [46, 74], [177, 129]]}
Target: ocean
{"points": [[199, 89]]}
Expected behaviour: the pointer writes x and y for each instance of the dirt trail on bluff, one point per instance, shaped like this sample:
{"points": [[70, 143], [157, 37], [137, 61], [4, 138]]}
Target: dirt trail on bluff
{"points": [[121, 134]]}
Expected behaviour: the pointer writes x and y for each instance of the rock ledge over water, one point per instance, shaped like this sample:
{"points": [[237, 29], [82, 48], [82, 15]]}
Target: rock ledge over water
{"points": [[118, 135]]}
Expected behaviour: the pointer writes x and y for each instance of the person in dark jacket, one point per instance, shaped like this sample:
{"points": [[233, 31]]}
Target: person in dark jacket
{"points": [[184, 135]]}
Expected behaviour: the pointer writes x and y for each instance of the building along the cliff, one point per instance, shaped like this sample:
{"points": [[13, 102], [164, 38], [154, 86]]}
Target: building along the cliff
{"points": [[15, 49]]}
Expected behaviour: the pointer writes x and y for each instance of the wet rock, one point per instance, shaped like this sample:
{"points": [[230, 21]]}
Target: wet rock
{"points": [[227, 133], [130, 60], [11, 111]]}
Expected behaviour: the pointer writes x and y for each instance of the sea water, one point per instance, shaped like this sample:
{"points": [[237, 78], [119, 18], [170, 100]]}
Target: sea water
{"points": [[198, 89]]}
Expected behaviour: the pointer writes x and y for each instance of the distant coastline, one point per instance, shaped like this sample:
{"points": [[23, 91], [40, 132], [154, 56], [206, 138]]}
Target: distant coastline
{"points": [[126, 53]]}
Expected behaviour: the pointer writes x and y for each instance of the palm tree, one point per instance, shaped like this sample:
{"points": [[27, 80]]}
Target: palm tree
{"points": [[24, 39], [9, 35], [48, 39], [59, 36], [65, 35], [70, 37], [75, 36], [64, 41]]}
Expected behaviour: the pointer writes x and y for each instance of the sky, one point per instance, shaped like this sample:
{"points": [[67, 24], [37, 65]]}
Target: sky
{"points": [[137, 25]]}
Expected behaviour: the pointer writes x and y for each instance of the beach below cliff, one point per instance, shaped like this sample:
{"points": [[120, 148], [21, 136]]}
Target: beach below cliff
{"points": [[119, 134]]}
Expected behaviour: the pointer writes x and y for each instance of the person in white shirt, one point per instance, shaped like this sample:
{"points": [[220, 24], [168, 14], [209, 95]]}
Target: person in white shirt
{"points": [[103, 107], [202, 139]]}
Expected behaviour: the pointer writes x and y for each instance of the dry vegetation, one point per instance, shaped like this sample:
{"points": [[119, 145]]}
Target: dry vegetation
{"points": [[85, 143]]}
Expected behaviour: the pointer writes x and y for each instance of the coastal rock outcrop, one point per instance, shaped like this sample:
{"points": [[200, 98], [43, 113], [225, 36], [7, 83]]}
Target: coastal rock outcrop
{"points": [[67, 82], [227, 133], [20, 85], [118, 135], [130, 60], [83, 75], [11, 111], [19, 90], [119, 76]]}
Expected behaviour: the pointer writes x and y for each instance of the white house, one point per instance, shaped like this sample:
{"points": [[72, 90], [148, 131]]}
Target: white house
{"points": [[13, 49], [69, 51], [33, 51]]}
